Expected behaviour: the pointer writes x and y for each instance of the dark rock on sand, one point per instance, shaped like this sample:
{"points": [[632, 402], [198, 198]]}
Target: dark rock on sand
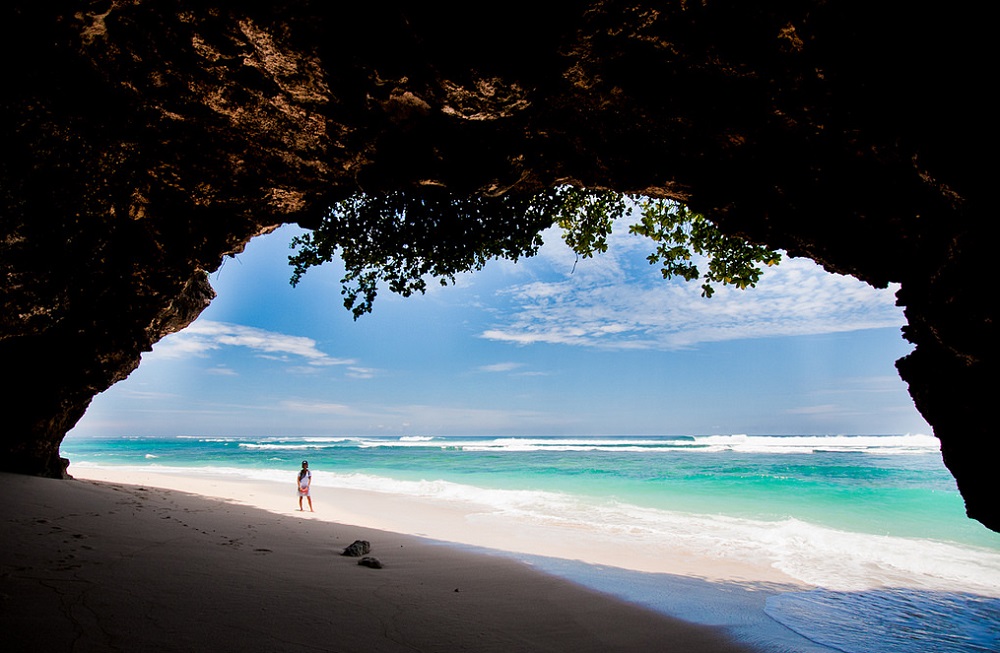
{"points": [[357, 548]]}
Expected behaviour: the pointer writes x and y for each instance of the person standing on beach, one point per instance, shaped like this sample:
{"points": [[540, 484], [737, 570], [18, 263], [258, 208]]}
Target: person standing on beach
{"points": [[304, 481]]}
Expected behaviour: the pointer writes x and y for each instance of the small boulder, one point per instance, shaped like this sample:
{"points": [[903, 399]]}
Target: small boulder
{"points": [[370, 561], [358, 548]]}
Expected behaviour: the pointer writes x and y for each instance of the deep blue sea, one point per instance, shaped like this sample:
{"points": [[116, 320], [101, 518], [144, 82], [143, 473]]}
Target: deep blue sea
{"points": [[875, 523]]}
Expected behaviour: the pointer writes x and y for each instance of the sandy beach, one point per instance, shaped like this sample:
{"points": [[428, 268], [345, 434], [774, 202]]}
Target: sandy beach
{"points": [[132, 561]]}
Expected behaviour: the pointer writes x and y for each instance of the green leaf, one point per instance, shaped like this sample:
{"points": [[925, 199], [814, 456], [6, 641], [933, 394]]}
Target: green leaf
{"points": [[401, 239]]}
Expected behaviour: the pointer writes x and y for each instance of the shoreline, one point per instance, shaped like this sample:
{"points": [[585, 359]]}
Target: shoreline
{"points": [[451, 521], [106, 560]]}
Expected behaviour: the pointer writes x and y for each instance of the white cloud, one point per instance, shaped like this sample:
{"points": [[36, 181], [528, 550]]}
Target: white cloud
{"points": [[825, 409], [204, 336], [316, 407], [362, 372], [305, 370], [618, 301], [221, 370], [501, 367]]}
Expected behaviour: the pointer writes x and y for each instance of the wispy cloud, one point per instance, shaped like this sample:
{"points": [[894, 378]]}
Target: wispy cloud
{"points": [[205, 335], [824, 409], [500, 367], [316, 407], [221, 370], [618, 301], [361, 372]]}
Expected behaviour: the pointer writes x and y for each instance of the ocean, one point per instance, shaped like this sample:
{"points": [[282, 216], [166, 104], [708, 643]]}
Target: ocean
{"points": [[874, 523]]}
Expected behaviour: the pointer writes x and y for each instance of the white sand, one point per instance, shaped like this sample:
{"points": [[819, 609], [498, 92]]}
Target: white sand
{"points": [[450, 521], [141, 562]]}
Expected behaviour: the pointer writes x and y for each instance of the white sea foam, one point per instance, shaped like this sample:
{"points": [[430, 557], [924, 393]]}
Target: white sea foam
{"points": [[879, 444], [818, 555], [323, 439], [203, 439], [742, 443], [278, 447], [283, 446]]}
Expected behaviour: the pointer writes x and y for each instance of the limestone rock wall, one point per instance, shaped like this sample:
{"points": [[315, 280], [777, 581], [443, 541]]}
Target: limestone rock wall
{"points": [[143, 142]]}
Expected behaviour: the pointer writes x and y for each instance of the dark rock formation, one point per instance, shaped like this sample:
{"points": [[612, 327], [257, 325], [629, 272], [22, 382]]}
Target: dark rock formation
{"points": [[357, 548], [143, 142], [370, 561]]}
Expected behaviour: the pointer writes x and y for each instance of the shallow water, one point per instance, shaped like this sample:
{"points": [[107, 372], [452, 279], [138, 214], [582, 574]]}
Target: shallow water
{"points": [[897, 620]]}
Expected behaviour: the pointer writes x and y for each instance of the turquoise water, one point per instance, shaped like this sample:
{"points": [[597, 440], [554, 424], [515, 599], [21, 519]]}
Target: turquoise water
{"points": [[874, 522]]}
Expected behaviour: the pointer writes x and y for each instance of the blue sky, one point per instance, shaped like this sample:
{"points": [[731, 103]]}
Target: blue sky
{"points": [[546, 346]]}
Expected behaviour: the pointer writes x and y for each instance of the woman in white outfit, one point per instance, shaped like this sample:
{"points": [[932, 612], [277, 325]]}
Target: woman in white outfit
{"points": [[304, 481]]}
